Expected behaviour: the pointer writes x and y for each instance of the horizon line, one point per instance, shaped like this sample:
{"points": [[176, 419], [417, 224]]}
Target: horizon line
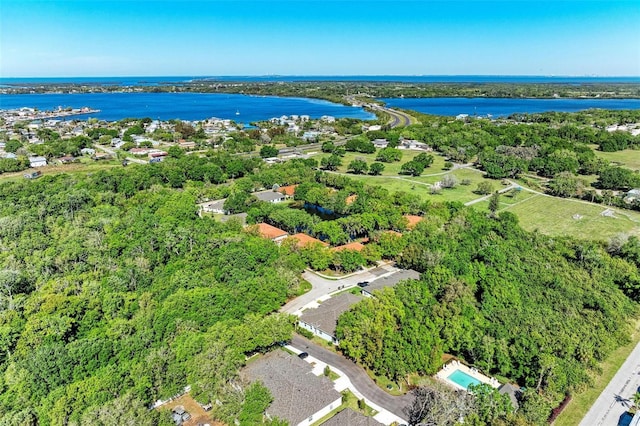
{"points": [[333, 75]]}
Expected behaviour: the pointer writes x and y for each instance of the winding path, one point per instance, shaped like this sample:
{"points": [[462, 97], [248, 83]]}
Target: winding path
{"points": [[356, 374]]}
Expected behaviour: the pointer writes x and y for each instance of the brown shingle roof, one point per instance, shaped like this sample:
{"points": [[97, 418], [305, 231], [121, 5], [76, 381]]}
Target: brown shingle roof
{"points": [[304, 240], [267, 231], [350, 246]]}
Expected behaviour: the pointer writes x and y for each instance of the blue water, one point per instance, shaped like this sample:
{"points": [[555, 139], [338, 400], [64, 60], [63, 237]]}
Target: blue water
{"points": [[463, 379], [500, 107], [184, 106], [160, 80]]}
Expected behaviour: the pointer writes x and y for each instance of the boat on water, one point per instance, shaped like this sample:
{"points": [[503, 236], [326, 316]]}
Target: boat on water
{"points": [[237, 112]]}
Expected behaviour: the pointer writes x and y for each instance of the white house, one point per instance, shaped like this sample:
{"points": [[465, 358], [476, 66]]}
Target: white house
{"points": [[37, 161]]}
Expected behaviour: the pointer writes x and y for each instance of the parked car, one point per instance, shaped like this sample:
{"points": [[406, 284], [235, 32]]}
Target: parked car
{"points": [[303, 355], [363, 283]]}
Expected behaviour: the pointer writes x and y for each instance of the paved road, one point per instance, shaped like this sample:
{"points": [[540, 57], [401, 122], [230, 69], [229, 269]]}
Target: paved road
{"points": [[398, 118], [356, 374], [615, 400], [323, 286]]}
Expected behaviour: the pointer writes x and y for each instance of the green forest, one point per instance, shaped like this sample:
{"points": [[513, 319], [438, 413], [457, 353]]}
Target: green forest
{"points": [[115, 292]]}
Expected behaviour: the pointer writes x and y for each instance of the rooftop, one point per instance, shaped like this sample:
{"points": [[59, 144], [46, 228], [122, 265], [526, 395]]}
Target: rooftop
{"points": [[297, 392], [351, 246], [325, 316], [304, 240], [267, 231], [392, 280], [348, 417], [268, 196], [289, 190]]}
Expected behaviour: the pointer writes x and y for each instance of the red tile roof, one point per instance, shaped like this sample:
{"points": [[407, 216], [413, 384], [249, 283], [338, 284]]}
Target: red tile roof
{"points": [[350, 246], [304, 240], [267, 231], [289, 190]]}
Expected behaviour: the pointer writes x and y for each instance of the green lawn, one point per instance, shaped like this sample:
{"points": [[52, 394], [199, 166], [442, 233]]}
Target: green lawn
{"points": [[86, 165], [580, 404], [390, 169], [629, 158], [555, 216], [421, 185]]}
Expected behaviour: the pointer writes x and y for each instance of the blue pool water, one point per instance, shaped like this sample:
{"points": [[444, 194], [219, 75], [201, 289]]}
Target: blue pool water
{"points": [[462, 379]]}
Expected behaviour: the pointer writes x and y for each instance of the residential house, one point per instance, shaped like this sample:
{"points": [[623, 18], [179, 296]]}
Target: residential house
{"points": [[322, 320], [413, 144], [633, 195], [87, 151], [157, 154], [216, 206], [289, 190], [139, 151], [390, 281], [187, 145], [101, 156], [355, 246], [305, 240], [380, 143], [271, 232], [37, 161], [67, 159], [299, 396], [348, 417], [270, 196], [310, 136]]}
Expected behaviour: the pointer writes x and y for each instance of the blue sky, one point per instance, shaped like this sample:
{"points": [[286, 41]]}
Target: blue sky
{"points": [[312, 37]]}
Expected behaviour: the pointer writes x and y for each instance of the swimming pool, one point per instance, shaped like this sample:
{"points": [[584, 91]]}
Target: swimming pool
{"points": [[462, 379]]}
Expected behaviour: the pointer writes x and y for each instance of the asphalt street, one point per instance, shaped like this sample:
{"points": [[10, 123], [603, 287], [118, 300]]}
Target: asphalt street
{"points": [[612, 404], [357, 375]]}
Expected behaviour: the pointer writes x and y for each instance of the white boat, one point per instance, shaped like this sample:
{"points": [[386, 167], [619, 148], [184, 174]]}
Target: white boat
{"points": [[237, 112]]}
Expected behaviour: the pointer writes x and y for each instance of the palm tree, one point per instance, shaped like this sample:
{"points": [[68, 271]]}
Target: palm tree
{"points": [[636, 399]]}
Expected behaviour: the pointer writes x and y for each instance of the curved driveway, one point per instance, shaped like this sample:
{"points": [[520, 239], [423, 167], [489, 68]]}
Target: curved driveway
{"points": [[357, 376]]}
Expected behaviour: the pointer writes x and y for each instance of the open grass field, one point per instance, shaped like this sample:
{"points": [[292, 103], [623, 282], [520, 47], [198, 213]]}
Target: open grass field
{"points": [[580, 404], [421, 185], [557, 216], [86, 166], [629, 158]]}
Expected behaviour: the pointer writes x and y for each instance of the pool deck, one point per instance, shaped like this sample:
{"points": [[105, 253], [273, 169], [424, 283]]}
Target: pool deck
{"points": [[449, 368]]}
